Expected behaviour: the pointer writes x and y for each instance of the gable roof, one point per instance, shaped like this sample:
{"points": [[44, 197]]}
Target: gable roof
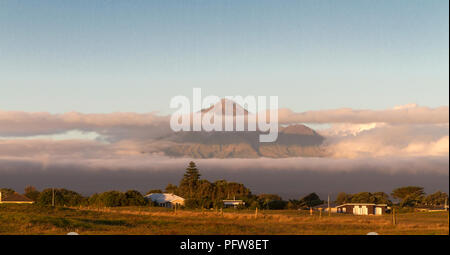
{"points": [[163, 197], [332, 205], [14, 197], [362, 204]]}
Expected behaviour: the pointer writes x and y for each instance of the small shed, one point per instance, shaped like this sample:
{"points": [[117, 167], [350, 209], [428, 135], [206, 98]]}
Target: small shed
{"points": [[166, 199], [14, 198], [362, 208], [233, 203]]}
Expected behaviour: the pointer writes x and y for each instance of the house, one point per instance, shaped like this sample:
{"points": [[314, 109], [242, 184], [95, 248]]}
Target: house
{"points": [[14, 198], [166, 199], [233, 203], [362, 208], [324, 207]]}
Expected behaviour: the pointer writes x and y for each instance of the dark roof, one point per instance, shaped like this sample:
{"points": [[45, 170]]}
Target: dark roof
{"points": [[15, 197], [362, 204], [325, 206]]}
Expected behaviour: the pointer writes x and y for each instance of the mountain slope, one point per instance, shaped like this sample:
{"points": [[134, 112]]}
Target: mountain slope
{"points": [[293, 141]]}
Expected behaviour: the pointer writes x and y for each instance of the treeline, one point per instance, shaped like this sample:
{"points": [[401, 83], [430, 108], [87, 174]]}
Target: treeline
{"points": [[64, 197], [363, 197], [410, 196], [201, 193]]}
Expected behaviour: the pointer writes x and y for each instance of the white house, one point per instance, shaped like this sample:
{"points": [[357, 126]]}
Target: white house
{"points": [[166, 199], [363, 208]]}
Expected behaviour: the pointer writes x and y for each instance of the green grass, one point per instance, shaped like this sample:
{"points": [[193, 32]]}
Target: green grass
{"points": [[33, 219]]}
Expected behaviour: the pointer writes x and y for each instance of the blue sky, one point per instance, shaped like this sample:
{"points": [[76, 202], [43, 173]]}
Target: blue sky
{"points": [[133, 56]]}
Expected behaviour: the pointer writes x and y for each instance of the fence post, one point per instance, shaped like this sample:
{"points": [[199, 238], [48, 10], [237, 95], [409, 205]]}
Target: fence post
{"points": [[394, 220], [256, 212]]}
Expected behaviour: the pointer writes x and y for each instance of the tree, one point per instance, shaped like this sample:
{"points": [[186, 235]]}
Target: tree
{"points": [[7, 191], [155, 191], [311, 200], [403, 192], [190, 181], [191, 203], [436, 199], [268, 201], [294, 204], [32, 193], [202, 193], [277, 205], [343, 198], [170, 188], [230, 190], [135, 198], [409, 196], [382, 198], [94, 199], [63, 197], [363, 197], [109, 199]]}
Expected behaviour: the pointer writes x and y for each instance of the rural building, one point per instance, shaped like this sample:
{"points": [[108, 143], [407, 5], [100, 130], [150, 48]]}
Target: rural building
{"points": [[362, 209], [324, 207], [166, 199], [233, 203], [14, 198]]}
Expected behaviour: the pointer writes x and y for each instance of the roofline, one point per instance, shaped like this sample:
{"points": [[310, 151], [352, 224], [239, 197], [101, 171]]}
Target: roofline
{"points": [[362, 204], [16, 202], [22, 199], [170, 201]]}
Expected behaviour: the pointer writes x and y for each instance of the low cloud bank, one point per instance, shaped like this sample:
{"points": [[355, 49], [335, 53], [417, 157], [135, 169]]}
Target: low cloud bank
{"points": [[408, 114], [409, 130], [368, 151], [353, 141], [17, 123], [290, 177]]}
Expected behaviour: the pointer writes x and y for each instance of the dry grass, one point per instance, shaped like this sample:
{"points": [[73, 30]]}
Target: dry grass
{"points": [[32, 219]]}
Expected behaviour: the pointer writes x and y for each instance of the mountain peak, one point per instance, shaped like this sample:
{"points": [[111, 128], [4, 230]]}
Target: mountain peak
{"points": [[224, 104], [298, 129]]}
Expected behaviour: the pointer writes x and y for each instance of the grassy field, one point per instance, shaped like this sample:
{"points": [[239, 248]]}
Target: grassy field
{"points": [[33, 219]]}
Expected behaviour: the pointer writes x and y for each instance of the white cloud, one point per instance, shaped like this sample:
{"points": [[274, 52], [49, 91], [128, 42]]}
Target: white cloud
{"points": [[388, 140], [409, 114], [403, 131], [16, 123]]}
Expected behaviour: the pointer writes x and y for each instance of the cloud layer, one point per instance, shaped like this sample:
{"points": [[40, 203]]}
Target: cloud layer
{"points": [[407, 130], [367, 149], [408, 114], [16, 123]]}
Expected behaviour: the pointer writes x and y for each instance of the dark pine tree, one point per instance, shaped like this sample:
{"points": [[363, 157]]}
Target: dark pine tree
{"points": [[190, 181]]}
